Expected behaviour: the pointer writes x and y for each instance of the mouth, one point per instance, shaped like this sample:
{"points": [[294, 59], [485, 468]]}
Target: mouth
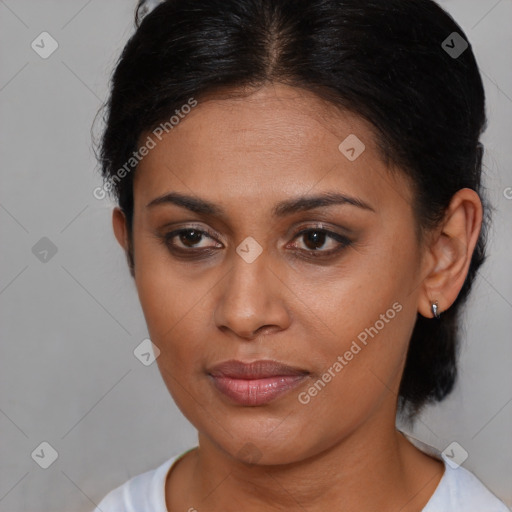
{"points": [[255, 383]]}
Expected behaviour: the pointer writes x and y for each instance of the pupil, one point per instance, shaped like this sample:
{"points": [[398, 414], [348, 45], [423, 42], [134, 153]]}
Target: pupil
{"points": [[315, 237], [193, 239]]}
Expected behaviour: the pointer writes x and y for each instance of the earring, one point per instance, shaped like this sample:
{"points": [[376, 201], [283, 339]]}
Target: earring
{"points": [[435, 307]]}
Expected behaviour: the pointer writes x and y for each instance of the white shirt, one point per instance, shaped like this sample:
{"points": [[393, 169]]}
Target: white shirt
{"points": [[458, 491]]}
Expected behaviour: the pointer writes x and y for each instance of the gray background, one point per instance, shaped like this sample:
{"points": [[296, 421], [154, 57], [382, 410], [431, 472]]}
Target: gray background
{"points": [[69, 326]]}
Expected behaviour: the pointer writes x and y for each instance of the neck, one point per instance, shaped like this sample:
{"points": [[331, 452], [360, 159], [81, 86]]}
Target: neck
{"points": [[372, 468]]}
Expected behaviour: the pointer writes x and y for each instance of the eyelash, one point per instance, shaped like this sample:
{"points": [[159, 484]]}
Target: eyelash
{"points": [[342, 240]]}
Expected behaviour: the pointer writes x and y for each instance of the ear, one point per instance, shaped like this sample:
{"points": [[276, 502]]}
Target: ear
{"points": [[120, 229], [449, 252], [121, 234]]}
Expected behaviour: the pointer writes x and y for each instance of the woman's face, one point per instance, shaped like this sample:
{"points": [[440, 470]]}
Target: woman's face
{"points": [[340, 307]]}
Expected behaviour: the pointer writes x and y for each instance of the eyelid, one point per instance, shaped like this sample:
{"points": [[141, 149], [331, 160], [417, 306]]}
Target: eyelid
{"points": [[177, 227], [168, 236], [304, 226], [321, 225], [341, 240]]}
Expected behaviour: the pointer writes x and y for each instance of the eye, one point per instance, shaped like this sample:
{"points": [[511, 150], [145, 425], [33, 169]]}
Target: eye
{"points": [[314, 239], [188, 238]]}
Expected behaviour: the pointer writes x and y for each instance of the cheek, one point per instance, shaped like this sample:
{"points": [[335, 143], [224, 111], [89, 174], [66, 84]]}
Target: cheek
{"points": [[164, 297], [174, 314], [352, 297], [177, 313], [359, 371], [365, 316]]}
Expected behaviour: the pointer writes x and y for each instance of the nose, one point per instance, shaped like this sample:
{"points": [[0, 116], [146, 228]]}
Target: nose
{"points": [[251, 299]]}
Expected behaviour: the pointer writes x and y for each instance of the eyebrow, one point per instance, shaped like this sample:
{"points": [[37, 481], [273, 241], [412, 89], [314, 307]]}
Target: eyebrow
{"points": [[281, 209]]}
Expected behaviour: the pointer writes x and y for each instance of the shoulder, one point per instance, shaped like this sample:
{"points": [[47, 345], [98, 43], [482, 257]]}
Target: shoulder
{"points": [[143, 492], [461, 491]]}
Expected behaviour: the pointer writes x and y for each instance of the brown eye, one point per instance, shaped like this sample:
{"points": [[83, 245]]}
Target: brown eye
{"points": [[315, 240], [188, 238]]}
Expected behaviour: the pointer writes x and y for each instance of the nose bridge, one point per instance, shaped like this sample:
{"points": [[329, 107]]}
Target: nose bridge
{"points": [[250, 298], [249, 274]]}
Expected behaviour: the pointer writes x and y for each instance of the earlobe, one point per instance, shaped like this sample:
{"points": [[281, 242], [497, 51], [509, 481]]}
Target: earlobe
{"points": [[451, 252]]}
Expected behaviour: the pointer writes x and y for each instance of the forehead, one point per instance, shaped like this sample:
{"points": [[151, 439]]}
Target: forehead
{"points": [[276, 142]]}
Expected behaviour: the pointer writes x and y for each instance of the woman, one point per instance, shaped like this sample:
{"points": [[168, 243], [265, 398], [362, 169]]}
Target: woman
{"points": [[299, 199]]}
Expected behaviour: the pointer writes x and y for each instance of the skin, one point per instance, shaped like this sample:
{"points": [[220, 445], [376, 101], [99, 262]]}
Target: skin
{"points": [[341, 451]]}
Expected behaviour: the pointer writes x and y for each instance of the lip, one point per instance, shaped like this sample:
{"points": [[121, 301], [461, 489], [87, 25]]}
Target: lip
{"points": [[255, 383]]}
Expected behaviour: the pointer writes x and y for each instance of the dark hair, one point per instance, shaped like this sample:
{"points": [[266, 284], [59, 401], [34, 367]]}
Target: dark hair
{"points": [[385, 60]]}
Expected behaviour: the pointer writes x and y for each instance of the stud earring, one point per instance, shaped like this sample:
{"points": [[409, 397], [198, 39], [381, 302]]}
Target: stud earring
{"points": [[435, 307]]}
